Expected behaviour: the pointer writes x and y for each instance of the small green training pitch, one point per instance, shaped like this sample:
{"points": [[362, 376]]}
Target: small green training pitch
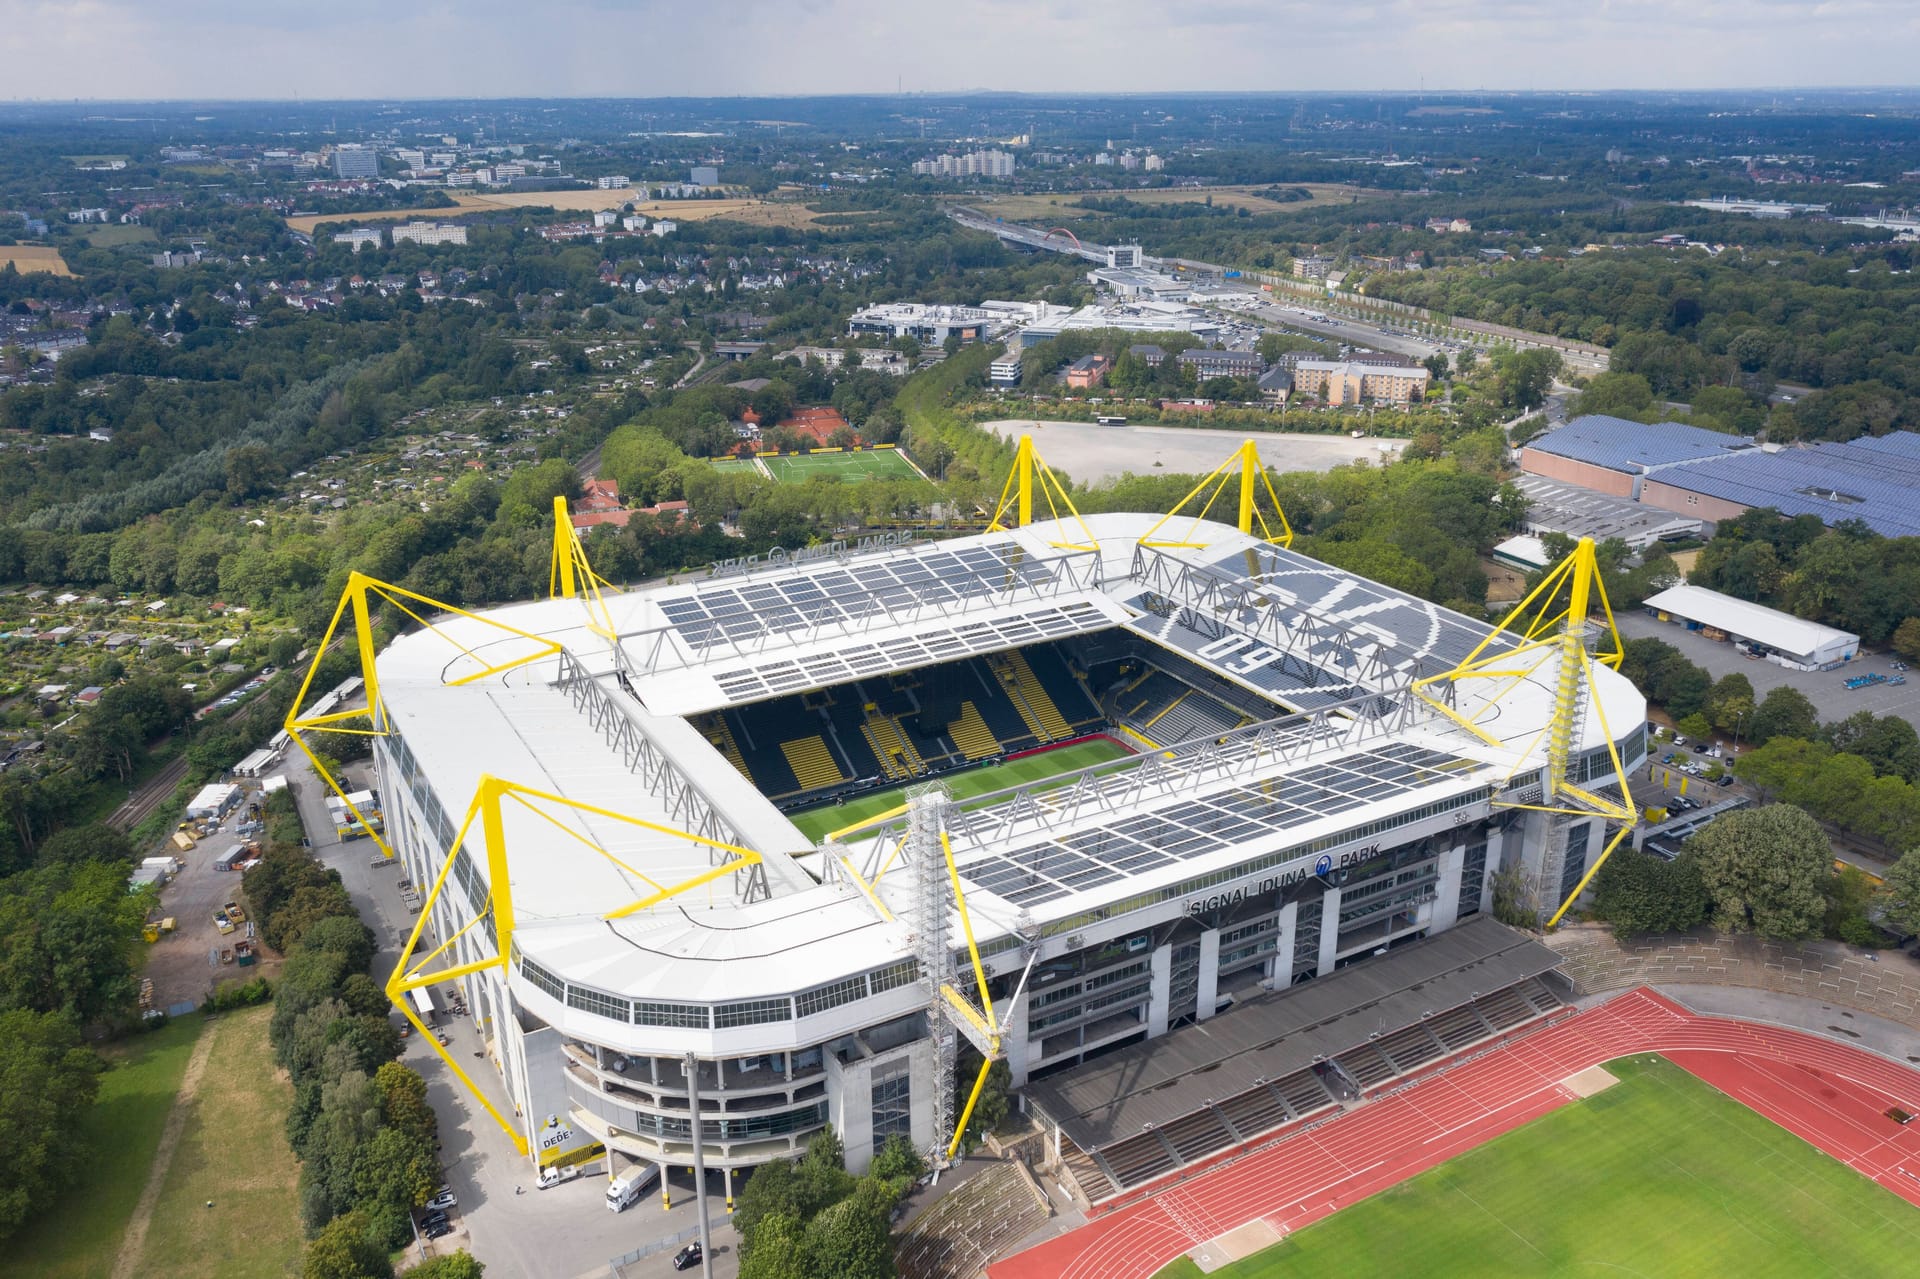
{"points": [[816, 823], [1658, 1175], [848, 468]]}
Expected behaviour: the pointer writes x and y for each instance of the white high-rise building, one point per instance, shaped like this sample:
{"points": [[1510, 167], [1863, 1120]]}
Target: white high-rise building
{"points": [[351, 160]]}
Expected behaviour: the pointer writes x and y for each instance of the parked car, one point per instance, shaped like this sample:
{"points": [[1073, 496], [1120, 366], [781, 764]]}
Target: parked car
{"points": [[687, 1258], [439, 1231], [443, 1200]]}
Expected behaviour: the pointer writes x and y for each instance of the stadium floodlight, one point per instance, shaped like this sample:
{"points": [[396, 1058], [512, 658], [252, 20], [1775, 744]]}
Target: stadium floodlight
{"points": [[1016, 498], [355, 597], [1540, 630], [1253, 476]]}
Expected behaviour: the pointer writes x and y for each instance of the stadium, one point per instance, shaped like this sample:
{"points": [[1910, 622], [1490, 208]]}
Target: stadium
{"points": [[1196, 833]]}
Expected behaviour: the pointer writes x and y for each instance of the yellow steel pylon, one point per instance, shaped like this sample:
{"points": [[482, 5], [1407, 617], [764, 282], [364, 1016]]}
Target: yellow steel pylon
{"points": [[569, 573], [355, 597], [1245, 463], [1016, 497], [1547, 630], [488, 808]]}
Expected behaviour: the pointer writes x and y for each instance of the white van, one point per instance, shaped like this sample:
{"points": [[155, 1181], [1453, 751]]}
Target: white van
{"points": [[625, 1190]]}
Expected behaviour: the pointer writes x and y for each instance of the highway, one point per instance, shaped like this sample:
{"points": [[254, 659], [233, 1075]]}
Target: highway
{"points": [[1341, 318]]}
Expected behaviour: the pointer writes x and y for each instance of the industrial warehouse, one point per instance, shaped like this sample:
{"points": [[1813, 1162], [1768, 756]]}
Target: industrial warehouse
{"points": [[778, 847]]}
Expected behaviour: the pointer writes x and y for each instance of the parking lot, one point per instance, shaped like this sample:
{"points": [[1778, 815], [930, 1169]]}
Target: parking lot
{"points": [[185, 965], [503, 1218], [1825, 689]]}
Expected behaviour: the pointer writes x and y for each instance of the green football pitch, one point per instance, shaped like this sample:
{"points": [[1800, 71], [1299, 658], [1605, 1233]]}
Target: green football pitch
{"points": [[849, 468], [1658, 1175], [816, 823]]}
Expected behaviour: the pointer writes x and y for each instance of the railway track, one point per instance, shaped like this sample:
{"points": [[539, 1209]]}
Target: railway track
{"points": [[141, 803]]}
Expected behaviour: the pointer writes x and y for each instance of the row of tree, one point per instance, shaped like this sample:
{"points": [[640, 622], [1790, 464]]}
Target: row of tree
{"points": [[814, 1220], [360, 1122]]}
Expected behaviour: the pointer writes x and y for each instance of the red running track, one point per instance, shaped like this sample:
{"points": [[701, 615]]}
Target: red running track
{"points": [[1829, 1094]]}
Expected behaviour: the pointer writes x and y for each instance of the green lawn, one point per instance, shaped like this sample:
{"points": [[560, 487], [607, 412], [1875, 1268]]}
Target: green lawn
{"points": [[816, 823], [116, 1138], [850, 468], [234, 1152], [1659, 1175]]}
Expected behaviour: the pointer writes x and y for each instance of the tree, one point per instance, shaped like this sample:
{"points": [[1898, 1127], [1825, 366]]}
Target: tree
{"points": [[1639, 893], [1906, 639], [47, 1078], [897, 1160], [849, 1239], [778, 1248], [1731, 701], [1625, 395], [95, 842], [345, 935], [252, 470], [1695, 726], [344, 1250], [1899, 894], [456, 1265], [1784, 712], [1764, 869]]}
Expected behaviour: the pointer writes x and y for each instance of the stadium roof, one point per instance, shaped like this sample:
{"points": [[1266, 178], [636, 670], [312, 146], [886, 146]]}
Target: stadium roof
{"points": [[609, 733], [1875, 481], [1634, 447], [1273, 1035], [1769, 626]]}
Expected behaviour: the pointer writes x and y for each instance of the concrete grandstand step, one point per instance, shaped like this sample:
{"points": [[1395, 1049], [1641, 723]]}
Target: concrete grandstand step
{"points": [[813, 764]]}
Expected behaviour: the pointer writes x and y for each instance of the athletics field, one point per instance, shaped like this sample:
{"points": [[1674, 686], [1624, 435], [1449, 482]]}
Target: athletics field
{"points": [[1660, 1174]]}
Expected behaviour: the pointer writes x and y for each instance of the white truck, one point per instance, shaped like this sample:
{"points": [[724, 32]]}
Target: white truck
{"points": [[625, 1190]]}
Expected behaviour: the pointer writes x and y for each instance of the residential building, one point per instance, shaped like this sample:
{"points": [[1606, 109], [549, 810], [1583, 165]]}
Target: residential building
{"points": [[1154, 163], [1088, 371], [1148, 354], [613, 182], [429, 233], [663, 227], [975, 164], [363, 237], [1345, 382], [1276, 384], [704, 175], [350, 160], [1210, 362], [605, 217], [1005, 370], [1312, 267]]}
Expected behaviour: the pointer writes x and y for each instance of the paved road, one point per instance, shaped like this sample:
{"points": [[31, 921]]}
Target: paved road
{"points": [[502, 1218]]}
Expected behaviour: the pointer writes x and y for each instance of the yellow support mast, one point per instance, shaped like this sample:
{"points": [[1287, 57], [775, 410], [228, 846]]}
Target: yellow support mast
{"points": [[1245, 465], [489, 809], [371, 721], [1015, 507], [569, 574], [1541, 630]]}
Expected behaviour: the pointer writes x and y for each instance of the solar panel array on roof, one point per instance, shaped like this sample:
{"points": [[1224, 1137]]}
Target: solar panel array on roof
{"points": [[1875, 481], [1186, 825], [1634, 447], [864, 588], [924, 647]]}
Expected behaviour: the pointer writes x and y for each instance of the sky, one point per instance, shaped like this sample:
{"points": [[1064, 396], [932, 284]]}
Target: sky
{"points": [[334, 49]]}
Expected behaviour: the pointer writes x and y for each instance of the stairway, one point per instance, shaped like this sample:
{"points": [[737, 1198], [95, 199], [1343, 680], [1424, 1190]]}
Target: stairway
{"points": [[716, 730], [897, 756], [1030, 697], [812, 763], [971, 734]]}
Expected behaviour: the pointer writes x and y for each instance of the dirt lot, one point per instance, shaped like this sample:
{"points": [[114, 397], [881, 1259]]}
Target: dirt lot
{"points": [[185, 965], [33, 257], [753, 212], [1092, 453], [1029, 208]]}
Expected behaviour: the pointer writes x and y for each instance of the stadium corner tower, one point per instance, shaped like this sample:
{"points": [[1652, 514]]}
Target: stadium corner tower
{"points": [[813, 825]]}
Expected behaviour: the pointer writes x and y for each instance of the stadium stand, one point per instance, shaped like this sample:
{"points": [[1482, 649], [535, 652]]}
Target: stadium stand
{"points": [[1037, 711], [812, 763], [971, 734], [891, 746], [962, 1231]]}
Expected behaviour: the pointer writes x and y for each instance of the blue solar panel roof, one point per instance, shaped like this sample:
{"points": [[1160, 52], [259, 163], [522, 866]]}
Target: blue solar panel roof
{"points": [[1875, 481], [1634, 447]]}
